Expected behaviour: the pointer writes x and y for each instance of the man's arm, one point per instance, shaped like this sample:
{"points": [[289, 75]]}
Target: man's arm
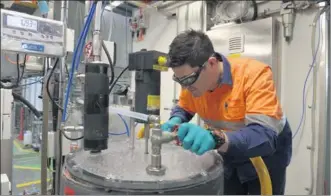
{"points": [[263, 117], [185, 108]]}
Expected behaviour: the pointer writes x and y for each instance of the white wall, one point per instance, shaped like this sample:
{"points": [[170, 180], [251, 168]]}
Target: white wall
{"points": [[295, 57]]}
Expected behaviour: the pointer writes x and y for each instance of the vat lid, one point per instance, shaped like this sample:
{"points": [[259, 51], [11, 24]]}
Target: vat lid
{"points": [[120, 167]]}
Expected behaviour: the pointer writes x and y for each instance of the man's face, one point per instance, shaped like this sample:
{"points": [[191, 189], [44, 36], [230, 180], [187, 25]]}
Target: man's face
{"points": [[198, 80], [192, 78]]}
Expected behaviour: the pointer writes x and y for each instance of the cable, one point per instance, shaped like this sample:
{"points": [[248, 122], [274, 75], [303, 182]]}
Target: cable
{"points": [[19, 77], [28, 104], [15, 62], [37, 81], [111, 65], [71, 139], [307, 77], [47, 85], [119, 76]]}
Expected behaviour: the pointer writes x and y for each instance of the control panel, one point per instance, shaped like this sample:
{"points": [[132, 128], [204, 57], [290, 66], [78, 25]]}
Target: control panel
{"points": [[31, 34]]}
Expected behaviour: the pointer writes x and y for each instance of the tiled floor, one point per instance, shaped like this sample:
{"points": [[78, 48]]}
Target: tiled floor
{"points": [[26, 169]]}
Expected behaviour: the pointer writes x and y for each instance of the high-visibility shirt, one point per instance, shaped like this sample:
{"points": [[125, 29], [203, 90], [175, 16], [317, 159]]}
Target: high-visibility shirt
{"points": [[246, 107]]}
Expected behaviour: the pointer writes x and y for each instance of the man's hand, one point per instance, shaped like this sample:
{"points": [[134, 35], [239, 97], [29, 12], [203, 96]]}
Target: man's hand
{"points": [[195, 138], [169, 125]]}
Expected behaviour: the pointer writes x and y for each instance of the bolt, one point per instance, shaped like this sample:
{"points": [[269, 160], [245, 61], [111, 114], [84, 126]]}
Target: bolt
{"points": [[70, 155], [108, 177], [75, 168]]}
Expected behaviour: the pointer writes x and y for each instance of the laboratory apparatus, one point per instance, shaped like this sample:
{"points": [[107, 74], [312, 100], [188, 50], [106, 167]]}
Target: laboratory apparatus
{"points": [[112, 166], [121, 170], [29, 34], [147, 66]]}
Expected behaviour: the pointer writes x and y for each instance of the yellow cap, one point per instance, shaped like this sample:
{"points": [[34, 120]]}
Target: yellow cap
{"points": [[162, 60], [141, 132]]}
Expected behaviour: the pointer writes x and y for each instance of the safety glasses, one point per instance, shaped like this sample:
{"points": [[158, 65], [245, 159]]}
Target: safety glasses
{"points": [[189, 80]]}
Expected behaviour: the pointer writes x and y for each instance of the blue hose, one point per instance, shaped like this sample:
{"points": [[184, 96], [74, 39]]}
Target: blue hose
{"points": [[74, 64], [126, 127]]}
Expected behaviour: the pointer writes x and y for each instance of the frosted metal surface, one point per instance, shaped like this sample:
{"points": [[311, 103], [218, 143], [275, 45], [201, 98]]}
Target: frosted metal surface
{"points": [[119, 163]]}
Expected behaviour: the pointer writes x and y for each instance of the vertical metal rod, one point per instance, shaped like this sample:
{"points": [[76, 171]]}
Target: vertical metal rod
{"points": [[96, 33], [323, 163], [58, 134], [328, 106], [87, 9], [132, 129], [146, 131], [44, 135], [174, 97]]}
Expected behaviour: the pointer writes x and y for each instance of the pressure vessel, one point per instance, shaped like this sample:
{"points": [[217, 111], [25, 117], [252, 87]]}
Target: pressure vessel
{"points": [[121, 170]]}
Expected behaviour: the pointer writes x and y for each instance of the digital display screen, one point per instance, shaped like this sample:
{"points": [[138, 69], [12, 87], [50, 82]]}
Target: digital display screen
{"points": [[20, 22]]}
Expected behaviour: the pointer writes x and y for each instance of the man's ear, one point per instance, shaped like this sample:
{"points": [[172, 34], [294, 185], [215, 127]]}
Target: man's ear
{"points": [[212, 61]]}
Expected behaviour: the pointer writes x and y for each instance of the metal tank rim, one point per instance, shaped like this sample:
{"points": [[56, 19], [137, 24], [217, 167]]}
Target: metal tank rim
{"points": [[79, 174]]}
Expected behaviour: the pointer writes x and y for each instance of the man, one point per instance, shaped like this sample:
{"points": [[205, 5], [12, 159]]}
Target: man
{"points": [[236, 98]]}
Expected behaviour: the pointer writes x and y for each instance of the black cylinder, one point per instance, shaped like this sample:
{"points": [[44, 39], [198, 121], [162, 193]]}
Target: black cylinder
{"points": [[147, 95], [96, 101], [147, 81]]}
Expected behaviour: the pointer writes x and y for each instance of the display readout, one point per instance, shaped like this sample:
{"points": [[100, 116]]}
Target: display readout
{"points": [[20, 22]]}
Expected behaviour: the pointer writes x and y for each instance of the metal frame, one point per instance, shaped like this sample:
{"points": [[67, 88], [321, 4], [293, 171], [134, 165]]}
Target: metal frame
{"points": [[323, 159]]}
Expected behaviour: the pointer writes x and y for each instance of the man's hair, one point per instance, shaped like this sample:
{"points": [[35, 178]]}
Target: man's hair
{"points": [[190, 47]]}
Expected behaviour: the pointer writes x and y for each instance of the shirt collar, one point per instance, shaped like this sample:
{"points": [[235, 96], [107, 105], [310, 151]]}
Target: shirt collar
{"points": [[226, 78]]}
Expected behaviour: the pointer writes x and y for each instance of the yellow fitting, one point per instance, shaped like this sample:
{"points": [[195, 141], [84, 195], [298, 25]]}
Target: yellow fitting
{"points": [[162, 60], [263, 174], [141, 131]]}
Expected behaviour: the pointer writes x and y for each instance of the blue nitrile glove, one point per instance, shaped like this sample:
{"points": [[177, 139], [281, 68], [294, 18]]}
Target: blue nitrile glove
{"points": [[171, 123], [195, 138]]}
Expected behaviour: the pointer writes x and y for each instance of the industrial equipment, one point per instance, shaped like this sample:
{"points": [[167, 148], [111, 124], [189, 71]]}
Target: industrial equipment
{"points": [[132, 169], [23, 33], [147, 65], [96, 101], [288, 13], [120, 170]]}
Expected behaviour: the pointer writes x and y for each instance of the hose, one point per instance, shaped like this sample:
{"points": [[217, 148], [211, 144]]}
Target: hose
{"points": [[263, 174], [28, 104], [78, 51], [127, 132]]}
